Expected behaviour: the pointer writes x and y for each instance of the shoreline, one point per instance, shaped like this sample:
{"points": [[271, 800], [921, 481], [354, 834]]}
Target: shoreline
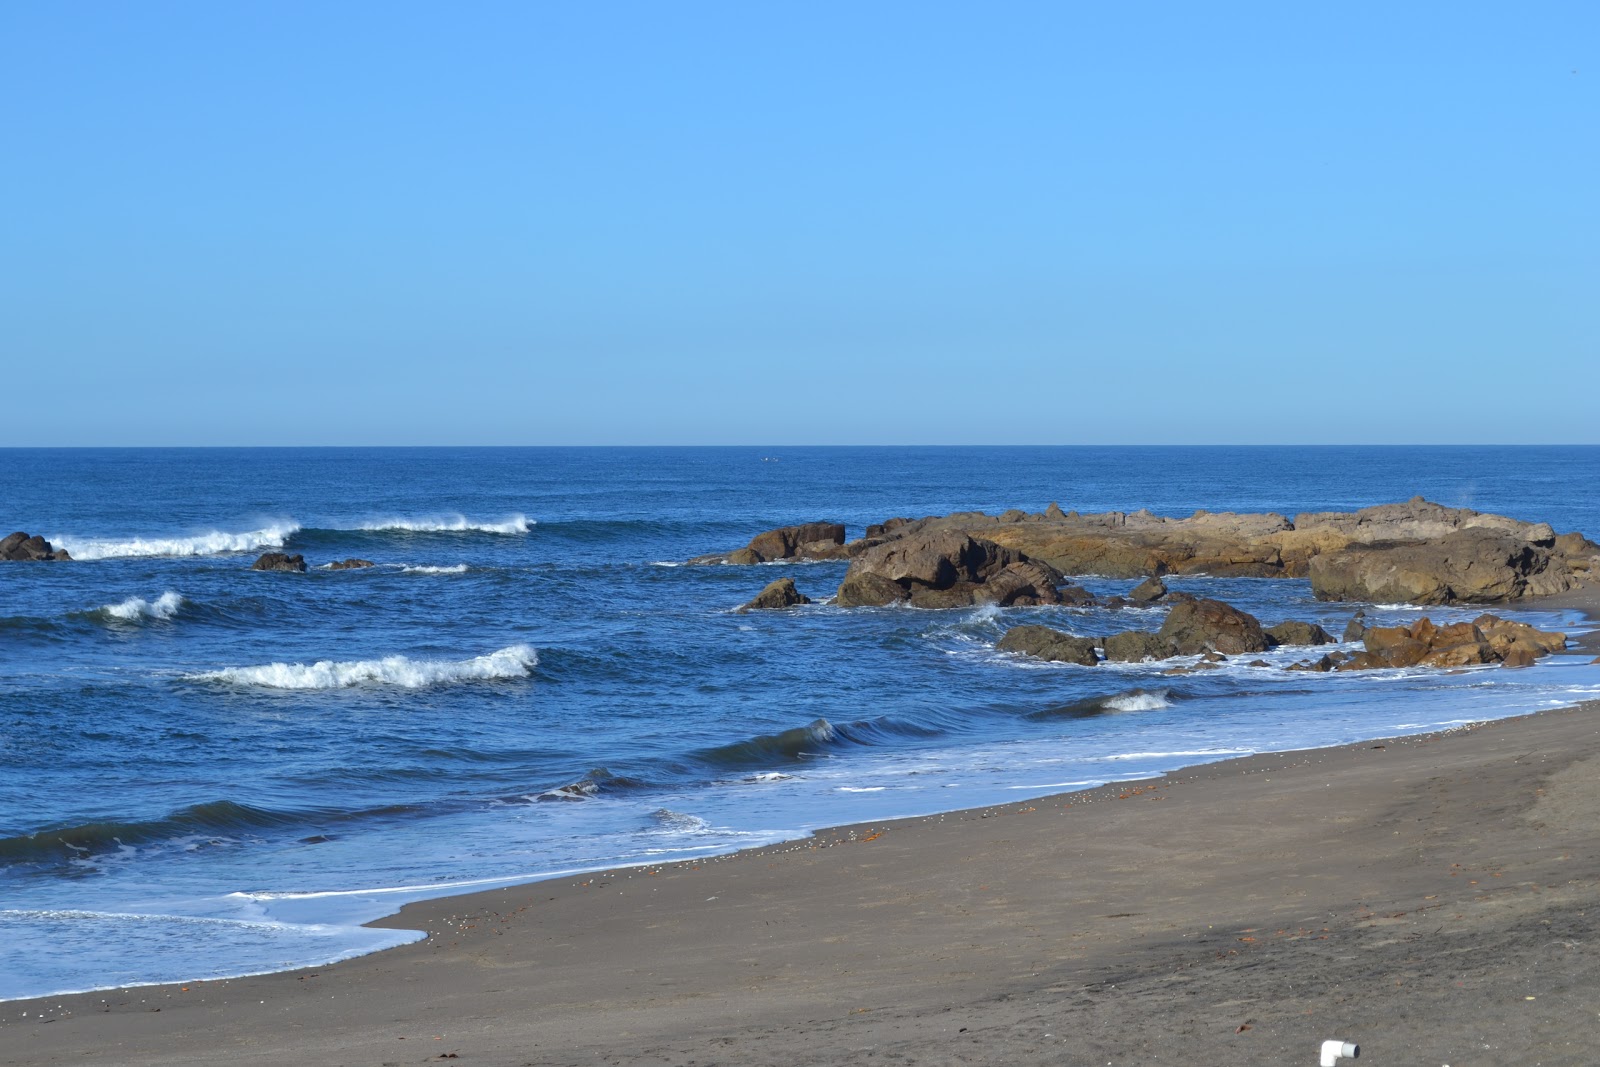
{"points": [[872, 933]]}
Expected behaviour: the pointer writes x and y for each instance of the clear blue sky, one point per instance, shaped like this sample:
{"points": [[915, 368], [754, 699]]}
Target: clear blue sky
{"points": [[591, 223]]}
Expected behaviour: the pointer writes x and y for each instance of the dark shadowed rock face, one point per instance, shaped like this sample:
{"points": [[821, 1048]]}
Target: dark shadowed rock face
{"points": [[278, 561], [1298, 633], [21, 548], [1210, 625], [1042, 642], [778, 594], [946, 569]]}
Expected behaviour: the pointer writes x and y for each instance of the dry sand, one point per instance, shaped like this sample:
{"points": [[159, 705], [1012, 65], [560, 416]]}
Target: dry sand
{"points": [[1435, 898]]}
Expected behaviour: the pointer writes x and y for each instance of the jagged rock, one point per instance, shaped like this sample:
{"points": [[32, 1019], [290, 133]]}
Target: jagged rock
{"points": [[1148, 591], [278, 561], [812, 540], [778, 594], [1488, 639], [945, 569], [1298, 633], [1076, 595], [351, 565], [1135, 646], [21, 548], [1044, 643], [1504, 634], [1321, 666], [1203, 625]]}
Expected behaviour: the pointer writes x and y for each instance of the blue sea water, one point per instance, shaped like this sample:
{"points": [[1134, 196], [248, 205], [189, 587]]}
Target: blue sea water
{"points": [[209, 771]]}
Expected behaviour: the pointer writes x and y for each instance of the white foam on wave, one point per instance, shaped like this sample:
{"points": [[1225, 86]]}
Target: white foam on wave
{"points": [[453, 523], [211, 543], [1138, 702], [514, 661], [459, 568], [136, 608]]}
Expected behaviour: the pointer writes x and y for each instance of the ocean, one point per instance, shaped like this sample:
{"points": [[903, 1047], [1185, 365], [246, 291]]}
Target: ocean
{"points": [[210, 771]]}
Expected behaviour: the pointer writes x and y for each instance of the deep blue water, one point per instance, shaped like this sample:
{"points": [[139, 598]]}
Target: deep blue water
{"points": [[212, 771]]}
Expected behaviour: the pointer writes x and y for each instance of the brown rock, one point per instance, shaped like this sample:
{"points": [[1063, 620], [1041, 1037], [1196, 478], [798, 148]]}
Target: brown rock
{"points": [[351, 565], [869, 590], [1505, 634], [1203, 625], [778, 594], [1519, 657], [279, 561], [1148, 591], [1299, 633], [1134, 646], [1044, 643], [1462, 655]]}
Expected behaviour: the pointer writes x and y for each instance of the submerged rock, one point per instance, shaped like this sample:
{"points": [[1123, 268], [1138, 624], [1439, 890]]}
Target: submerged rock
{"points": [[22, 548], [778, 594], [811, 540], [351, 565], [1044, 643], [279, 561]]}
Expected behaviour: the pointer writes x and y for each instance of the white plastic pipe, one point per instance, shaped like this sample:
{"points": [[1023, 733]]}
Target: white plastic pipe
{"points": [[1336, 1050]]}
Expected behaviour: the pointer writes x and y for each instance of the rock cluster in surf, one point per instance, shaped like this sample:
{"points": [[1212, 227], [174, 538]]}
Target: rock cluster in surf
{"points": [[21, 548]]}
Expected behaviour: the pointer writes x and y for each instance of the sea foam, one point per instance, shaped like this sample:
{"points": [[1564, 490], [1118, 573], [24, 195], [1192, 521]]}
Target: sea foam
{"points": [[459, 568], [455, 523], [514, 661], [136, 609], [212, 543]]}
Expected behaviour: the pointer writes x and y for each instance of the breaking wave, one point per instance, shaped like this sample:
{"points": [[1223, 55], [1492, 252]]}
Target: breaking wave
{"points": [[515, 661], [1131, 700], [135, 609], [513, 524], [211, 543], [459, 568]]}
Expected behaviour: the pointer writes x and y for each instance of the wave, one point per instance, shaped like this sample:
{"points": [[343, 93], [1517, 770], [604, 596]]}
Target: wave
{"points": [[211, 543], [795, 744], [135, 609], [453, 523], [514, 661], [1129, 700], [589, 785], [459, 568]]}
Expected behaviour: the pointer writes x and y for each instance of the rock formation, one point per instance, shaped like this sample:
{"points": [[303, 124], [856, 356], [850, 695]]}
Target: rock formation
{"points": [[813, 540], [1487, 639], [351, 565], [946, 569], [279, 561], [1044, 643], [778, 594], [1211, 626], [21, 548]]}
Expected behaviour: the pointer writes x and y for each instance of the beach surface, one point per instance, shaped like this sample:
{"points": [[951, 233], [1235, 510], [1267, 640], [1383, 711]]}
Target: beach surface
{"points": [[1435, 899]]}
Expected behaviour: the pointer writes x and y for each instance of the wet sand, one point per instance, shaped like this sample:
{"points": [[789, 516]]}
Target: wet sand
{"points": [[1434, 898]]}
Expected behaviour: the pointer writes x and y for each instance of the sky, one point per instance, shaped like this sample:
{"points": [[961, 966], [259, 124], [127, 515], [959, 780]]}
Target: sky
{"points": [[828, 223]]}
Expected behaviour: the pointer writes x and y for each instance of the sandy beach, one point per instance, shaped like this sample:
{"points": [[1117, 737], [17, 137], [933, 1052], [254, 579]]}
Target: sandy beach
{"points": [[1433, 898]]}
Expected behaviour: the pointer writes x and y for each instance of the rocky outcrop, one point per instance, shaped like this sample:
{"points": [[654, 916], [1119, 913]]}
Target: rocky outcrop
{"points": [[778, 594], [1210, 625], [1148, 591], [1298, 633], [279, 561], [1487, 639], [810, 541], [1470, 566], [21, 548], [1042, 642], [351, 565], [1136, 646], [945, 569]]}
